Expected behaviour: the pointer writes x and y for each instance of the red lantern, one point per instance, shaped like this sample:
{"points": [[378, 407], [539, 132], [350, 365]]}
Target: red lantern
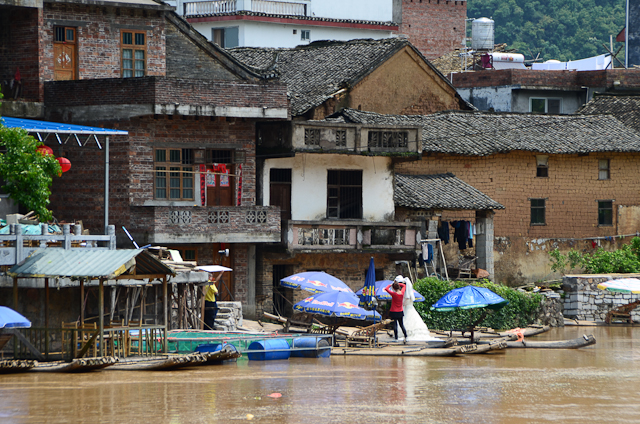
{"points": [[65, 164], [45, 150]]}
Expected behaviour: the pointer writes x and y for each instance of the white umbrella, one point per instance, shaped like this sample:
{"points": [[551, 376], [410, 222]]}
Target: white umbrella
{"points": [[213, 268], [623, 285]]}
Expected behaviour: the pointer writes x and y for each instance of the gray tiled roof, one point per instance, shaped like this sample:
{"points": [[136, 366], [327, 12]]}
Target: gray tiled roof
{"points": [[439, 191], [298, 17], [315, 72], [473, 133], [624, 107]]}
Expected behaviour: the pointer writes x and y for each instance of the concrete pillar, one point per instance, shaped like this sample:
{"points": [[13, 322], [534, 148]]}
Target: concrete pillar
{"points": [[484, 241], [250, 307]]}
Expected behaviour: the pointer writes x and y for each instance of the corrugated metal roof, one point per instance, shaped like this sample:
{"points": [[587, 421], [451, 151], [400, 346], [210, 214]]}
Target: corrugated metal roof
{"points": [[44, 127], [86, 263]]}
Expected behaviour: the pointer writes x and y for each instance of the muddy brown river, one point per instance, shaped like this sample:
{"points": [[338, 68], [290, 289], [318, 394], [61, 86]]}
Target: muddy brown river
{"points": [[598, 384]]}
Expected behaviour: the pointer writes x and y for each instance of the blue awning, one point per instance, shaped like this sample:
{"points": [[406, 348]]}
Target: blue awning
{"points": [[43, 129]]}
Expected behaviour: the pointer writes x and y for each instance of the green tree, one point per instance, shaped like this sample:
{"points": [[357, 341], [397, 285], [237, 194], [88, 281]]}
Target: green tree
{"points": [[27, 173], [557, 29]]}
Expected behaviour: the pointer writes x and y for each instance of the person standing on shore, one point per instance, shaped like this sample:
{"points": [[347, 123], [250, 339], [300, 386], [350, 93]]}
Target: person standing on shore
{"points": [[396, 313], [210, 304]]}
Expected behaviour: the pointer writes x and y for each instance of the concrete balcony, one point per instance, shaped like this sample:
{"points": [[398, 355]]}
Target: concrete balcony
{"points": [[350, 235], [196, 224], [220, 7], [331, 137]]}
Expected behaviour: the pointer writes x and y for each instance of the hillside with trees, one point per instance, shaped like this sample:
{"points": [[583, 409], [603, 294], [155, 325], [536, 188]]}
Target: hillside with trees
{"points": [[555, 29]]}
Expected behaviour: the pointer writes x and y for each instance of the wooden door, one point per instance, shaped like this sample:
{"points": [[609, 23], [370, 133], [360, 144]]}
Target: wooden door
{"points": [[220, 188], [64, 54], [226, 286], [280, 195]]}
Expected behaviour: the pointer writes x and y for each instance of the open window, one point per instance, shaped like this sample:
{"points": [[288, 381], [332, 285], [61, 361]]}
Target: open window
{"points": [[605, 213], [344, 194], [542, 166]]}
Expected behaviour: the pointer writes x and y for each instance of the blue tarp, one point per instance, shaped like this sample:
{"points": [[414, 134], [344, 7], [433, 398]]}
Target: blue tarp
{"points": [[34, 126], [31, 230]]}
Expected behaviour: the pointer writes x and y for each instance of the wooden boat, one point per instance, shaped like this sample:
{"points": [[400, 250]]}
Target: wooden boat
{"points": [[77, 365], [172, 362], [483, 334], [418, 350], [554, 344], [11, 366]]}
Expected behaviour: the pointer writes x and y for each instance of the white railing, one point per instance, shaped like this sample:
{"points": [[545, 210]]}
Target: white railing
{"points": [[210, 7], [231, 6], [279, 8]]}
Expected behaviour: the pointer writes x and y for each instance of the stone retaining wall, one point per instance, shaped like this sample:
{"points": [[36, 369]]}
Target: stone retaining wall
{"points": [[229, 316], [550, 312], [585, 301]]}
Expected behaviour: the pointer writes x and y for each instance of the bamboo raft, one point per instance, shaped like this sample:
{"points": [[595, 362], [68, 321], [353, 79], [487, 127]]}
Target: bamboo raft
{"points": [[172, 362], [11, 366], [77, 365], [417, 350], [554, 344]]}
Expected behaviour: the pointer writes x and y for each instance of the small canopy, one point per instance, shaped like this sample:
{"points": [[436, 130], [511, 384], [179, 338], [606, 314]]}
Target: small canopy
{"points": [[42, 130], [88, 263]]}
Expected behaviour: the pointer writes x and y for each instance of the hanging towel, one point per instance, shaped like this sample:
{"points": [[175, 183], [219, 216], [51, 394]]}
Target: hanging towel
{"points": [[443, 232]]}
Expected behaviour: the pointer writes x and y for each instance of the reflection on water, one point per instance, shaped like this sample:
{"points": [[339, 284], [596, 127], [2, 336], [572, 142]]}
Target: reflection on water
{"points": [[598, 384]]}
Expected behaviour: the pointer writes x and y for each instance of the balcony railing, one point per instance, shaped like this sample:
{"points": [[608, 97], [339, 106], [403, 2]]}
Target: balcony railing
{"points": [[332, 137], [218, 7], [338, 235], [220, 224], [16, 246]]}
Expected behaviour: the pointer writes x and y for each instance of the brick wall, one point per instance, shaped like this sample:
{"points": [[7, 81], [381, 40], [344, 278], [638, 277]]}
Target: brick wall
{"points": [[629, 78], [78, 194], [98, 38], [20, 50], [156, 90], [435, 27]]}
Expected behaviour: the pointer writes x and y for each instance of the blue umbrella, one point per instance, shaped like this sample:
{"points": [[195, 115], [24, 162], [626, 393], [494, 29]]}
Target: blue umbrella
{"points": [[336, 304], [11, 319], [469, 297], [383, 295], [368, 292], [315, 282]]}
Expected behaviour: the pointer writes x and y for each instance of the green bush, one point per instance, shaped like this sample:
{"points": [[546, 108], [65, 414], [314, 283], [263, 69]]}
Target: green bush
{"points": [[520, 312], [624, 260]]}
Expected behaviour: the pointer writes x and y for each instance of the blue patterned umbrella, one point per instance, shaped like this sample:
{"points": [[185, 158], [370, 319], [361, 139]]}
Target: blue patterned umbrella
{"points": [[368, 292], [336, 304], [383, 295], [315, 282], [11, 319], [469, 297]]}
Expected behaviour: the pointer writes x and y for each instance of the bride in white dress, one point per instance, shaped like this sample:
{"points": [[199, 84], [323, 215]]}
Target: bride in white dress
{"points": [[417, 330]]}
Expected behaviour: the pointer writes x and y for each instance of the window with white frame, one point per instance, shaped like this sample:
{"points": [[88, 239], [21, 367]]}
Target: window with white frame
{"points": [[305, 35], [545, 105]]}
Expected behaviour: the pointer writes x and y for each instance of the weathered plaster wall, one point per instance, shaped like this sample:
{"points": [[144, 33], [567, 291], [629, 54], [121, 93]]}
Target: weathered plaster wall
{"points": [[309, 184]]}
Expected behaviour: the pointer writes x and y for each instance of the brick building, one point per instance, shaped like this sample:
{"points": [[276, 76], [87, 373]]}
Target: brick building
{"points": [[546, 91], [185, 176], [334, 181], [563, 180]]}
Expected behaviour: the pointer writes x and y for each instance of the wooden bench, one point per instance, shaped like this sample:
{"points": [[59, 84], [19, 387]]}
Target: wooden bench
{"points": [[622, 313]]}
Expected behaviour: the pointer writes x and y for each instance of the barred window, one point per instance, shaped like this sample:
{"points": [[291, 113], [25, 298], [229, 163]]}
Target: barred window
{"points": [[344, 194], [538, 207], [388, 139]]}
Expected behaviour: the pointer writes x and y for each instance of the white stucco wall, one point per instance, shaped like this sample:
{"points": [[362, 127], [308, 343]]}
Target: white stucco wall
{"points": [[269, 34], [309, 184], [366, 10]]}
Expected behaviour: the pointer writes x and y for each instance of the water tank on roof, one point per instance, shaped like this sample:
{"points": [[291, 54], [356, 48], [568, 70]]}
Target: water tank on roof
{"points": [[482, 34]]}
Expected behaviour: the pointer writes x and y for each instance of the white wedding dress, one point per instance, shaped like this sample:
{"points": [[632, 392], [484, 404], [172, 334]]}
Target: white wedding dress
{"points": [[417, 330]]}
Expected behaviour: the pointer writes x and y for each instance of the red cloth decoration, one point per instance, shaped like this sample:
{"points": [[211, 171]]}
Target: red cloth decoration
{"points": [[203, 181]]}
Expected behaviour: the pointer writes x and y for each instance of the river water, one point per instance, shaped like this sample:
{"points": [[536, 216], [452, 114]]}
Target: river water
{"points": [[598, 384]]}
